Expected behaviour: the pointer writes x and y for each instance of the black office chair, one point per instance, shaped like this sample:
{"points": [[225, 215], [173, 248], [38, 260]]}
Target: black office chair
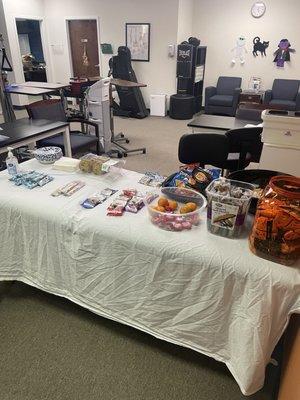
{"points": [[203, 148], [53, 110], [246, 144], [232, 151]]}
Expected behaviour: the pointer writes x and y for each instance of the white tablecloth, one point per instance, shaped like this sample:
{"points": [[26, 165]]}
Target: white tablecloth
{"points": [[190, 288]]}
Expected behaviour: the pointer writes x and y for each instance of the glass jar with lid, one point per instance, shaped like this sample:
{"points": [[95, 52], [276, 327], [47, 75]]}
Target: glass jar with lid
{"points": [[275, 233]]}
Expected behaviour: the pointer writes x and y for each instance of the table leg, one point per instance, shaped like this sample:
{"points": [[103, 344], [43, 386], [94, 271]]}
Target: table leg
{"points": [[63, 99], [67, 142]]}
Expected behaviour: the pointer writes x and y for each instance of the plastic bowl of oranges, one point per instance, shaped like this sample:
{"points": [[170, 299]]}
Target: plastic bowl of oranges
{"points": [[172, 215]]}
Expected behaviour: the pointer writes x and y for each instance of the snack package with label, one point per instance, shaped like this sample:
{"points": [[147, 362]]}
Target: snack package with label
{"points": [[180, 179], [135, 204], [153, 179], [68, 189], [200, 179], [117, 207], [31, 179], [227, 207], [129, 192], [98, 198]]}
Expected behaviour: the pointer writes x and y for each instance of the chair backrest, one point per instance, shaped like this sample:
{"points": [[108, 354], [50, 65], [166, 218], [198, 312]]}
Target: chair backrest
{"points": [[245, 140], [285, 89], [47, 109], [203, 148], [227, 84]]}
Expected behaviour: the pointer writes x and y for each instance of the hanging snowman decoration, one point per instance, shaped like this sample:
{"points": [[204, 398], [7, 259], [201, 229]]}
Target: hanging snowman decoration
{"points": [[239, 50]]}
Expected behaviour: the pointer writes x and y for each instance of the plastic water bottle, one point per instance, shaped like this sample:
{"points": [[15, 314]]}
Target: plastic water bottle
{"points": [[12, 163]]}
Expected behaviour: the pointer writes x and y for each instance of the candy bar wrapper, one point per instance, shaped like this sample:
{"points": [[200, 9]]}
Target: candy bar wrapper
{"points": [[68, 189], [74, 189], [93, 200], [31, 179], [129, 192], [98, 198], [117, 207], [45, 180], [108, 192], [134, 204], [150, 196], [152, 179]]}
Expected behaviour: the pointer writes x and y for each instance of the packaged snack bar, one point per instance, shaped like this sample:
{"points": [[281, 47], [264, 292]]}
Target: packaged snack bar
{"points": [[129, 192], [134, 204], [98, 198], [68, 189], [150, 196], [200, 179]]}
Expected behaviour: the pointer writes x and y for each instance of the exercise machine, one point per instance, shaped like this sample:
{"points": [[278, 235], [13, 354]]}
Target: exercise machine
{"points": [[131, 99]]}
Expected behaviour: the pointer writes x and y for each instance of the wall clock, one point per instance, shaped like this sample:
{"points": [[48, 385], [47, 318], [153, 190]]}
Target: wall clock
{"points": [[258, 9]]}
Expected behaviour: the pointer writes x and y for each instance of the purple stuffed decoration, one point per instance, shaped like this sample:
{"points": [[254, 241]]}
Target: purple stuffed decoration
{"points": [[283, 53]]}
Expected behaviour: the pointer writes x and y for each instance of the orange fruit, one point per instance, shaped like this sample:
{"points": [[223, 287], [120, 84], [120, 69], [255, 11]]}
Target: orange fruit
{"points": [[184, 210], [191, 206], [163, 202], [173, 205], [160, 208]]}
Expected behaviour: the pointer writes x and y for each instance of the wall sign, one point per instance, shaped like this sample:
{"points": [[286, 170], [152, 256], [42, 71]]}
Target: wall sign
{"points": [[138, 41]]}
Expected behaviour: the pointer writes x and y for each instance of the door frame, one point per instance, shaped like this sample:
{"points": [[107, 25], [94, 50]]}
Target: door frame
{"points": [[79, 18], [42, 21]]}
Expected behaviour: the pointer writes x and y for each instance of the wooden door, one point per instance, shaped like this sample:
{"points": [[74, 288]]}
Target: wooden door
{"points": [[84, 47]]}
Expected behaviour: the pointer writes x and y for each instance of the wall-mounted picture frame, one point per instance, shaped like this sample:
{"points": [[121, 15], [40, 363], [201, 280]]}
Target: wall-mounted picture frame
{"points": [[138, 40]]}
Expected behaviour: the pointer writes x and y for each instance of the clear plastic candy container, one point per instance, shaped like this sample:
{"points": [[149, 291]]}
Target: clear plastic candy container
{"points": [[178, 210], [275, 233], [227, 206], [100, 165]]}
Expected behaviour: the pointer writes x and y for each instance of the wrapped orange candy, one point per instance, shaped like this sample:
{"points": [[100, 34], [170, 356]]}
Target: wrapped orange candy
{"points": [[275, 233]]}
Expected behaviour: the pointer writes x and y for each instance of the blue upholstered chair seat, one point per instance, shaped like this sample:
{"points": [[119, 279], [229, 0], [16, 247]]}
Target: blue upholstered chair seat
{"points": [[288, 104], [221, 100]]}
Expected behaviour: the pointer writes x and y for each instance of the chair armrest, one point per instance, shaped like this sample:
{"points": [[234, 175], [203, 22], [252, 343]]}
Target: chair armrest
{"points": [[298, 101], [209, 92], [87, 122], [268, 96], [235, 99]]}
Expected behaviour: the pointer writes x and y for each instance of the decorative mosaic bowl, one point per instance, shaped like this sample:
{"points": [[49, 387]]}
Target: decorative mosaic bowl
{"points": [[48, 155]]}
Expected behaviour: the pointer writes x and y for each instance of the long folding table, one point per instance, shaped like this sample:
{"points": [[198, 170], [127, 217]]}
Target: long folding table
{"points": [[191, 288]]}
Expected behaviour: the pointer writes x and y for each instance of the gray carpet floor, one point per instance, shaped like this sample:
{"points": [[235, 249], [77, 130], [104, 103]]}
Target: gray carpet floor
{"points": [[53, 349]]}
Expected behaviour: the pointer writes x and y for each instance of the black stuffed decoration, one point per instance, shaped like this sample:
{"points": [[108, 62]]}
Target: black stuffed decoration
{"points": [[259, 46]]}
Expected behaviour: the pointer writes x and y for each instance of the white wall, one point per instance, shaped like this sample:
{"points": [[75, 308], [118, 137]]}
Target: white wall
{"points": [[185, 20], [31, 9], [218, 23], [158, 74]]}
